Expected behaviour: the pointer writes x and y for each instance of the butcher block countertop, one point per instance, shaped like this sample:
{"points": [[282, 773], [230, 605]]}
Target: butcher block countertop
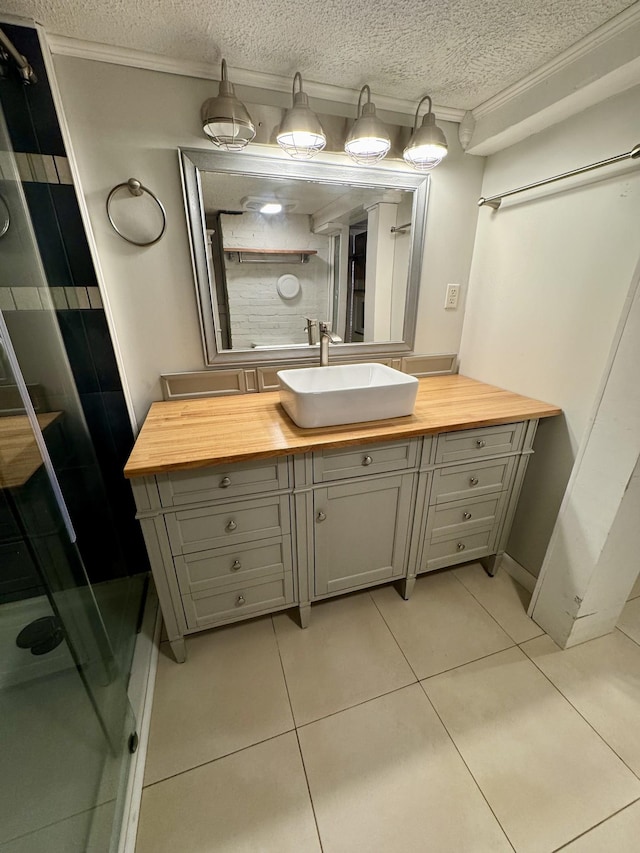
{"points": [[184, 434], [20, 455]]}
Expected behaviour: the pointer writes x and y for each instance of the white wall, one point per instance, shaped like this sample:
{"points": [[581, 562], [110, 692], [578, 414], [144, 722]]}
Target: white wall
{"points": [[549, 278], [128, 122]]}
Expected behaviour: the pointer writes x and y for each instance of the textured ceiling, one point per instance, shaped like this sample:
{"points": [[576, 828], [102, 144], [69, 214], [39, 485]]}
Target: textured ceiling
{"points": [[460, 51]]}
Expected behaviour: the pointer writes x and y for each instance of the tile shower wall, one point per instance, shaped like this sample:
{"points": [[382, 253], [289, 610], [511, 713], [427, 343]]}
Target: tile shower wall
{"points": [[108, 535]]}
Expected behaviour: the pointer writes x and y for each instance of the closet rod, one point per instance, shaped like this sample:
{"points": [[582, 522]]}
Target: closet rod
{"points": [[495, 201]]}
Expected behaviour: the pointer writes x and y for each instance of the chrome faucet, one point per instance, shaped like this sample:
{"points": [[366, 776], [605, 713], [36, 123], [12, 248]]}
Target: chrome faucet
{"points": [[312, 330], [326, 338]]}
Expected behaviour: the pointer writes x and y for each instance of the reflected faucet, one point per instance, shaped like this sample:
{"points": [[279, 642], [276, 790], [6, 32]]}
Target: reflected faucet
{"points": [[326, 338], [312, 331]]}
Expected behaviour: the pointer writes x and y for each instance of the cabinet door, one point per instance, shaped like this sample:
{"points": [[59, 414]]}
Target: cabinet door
{"points": [[361, 532]]}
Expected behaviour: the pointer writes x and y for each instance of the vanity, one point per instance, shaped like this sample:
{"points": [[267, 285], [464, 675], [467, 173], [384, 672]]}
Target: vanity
{"points": [[244, 513]]}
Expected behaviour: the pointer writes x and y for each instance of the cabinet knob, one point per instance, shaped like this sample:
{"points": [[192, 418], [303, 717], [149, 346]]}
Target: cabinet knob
{"points": [[232, 525], [473, 481], [225, 482], [480, 443], [466, 516], [461, 546], [240, 600], [236, 565], [320, 516], [367, 460]]}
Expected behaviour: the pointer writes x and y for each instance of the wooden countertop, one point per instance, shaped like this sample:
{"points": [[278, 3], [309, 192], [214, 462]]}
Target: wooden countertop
{"points": [[186, 434], [19, 452]]}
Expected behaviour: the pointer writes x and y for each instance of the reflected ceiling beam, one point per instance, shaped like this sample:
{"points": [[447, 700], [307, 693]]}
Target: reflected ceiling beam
{"points": [[595, 68]]}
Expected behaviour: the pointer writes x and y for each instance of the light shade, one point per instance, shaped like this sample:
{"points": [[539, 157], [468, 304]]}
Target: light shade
{"points": [[225, 119], [368, 140], [300, 132], [428, 144]]}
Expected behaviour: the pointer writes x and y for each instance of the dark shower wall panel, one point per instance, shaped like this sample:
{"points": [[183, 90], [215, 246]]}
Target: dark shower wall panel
{"points": [[30, 110], [114, 549]]}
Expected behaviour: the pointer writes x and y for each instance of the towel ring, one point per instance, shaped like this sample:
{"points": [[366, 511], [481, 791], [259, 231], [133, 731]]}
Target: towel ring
{"points": [[5, 216], [136, 189]]}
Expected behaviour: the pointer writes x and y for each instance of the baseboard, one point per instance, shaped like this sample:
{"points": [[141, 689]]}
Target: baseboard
{"points": [[519, 573], [141, 687]]}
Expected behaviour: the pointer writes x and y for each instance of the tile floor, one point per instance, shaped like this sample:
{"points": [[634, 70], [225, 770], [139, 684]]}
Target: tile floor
{"points": [[448, 723]]}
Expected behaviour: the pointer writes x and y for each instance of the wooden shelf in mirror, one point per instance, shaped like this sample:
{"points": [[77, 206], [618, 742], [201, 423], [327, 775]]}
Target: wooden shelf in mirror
{"points": [[288, 256]]}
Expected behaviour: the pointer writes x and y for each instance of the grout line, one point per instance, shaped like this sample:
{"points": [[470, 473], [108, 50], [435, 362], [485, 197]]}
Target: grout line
{"points": [[284, 674], [622, 631], [395, 639], [48, 826], [502, 628], [357, 705], [580, 714], [451, 668], [467, 663], [595, 826], [217, 758], [306, 776], [304, 766], [455, 746]]}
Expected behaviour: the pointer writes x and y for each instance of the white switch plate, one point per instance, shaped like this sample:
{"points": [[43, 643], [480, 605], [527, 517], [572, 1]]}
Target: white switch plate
{"points": [[453, 292]]}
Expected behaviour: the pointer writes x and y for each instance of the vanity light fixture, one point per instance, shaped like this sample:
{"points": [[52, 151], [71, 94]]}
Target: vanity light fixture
{"points": [[368, 140], [428, 144], [225, 119], [300, 132]]}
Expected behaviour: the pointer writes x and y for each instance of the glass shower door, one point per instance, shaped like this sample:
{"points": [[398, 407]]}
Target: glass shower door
{"points": [[66, 720]]}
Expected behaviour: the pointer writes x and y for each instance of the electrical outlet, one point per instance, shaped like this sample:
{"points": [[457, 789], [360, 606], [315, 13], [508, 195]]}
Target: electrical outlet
{"points": [[453, 292]]}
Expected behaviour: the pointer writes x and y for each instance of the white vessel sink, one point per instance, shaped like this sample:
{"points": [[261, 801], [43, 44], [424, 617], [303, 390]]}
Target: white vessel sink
{"points": [[346, 394]]}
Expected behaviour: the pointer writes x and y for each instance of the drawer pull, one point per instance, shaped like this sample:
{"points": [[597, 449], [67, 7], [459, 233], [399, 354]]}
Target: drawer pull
{"points": [[367, 460], [232, 525], [320, 516], [461, 546], [466, 516], [473, 481], [480, 442], [236, 565], [240, 600], [225, 482]]}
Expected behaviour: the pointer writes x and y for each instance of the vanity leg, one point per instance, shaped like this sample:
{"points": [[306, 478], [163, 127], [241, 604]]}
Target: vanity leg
{"points": [[179, 649], [406, 587], [305, 614], [491, 564]]}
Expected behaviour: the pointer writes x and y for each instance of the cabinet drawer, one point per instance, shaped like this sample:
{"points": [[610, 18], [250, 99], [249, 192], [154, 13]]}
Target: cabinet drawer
{"points": [[458, 549], [221, 482], [459, 482], [478, 443], [233, 565], [214, 527], [458, 518], [210, 608], [342, 463]]}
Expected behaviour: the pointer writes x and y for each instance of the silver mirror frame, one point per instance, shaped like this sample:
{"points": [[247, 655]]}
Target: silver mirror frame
{"points": [[194, 160]]}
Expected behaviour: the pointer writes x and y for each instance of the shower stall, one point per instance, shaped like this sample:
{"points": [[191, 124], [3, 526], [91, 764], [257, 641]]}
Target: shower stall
{"points": [[71, 591]]}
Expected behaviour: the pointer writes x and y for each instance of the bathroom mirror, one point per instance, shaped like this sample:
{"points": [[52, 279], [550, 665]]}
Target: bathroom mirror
{"points": [[277, 241]]}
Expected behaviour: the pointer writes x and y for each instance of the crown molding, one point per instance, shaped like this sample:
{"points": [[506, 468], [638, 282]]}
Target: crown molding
{"points": [[613, 28], [80, 49]]}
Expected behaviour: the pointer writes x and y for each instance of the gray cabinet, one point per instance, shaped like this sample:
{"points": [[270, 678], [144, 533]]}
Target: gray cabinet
{"points": [[469, 503], [228, 542], [361, 532]]}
